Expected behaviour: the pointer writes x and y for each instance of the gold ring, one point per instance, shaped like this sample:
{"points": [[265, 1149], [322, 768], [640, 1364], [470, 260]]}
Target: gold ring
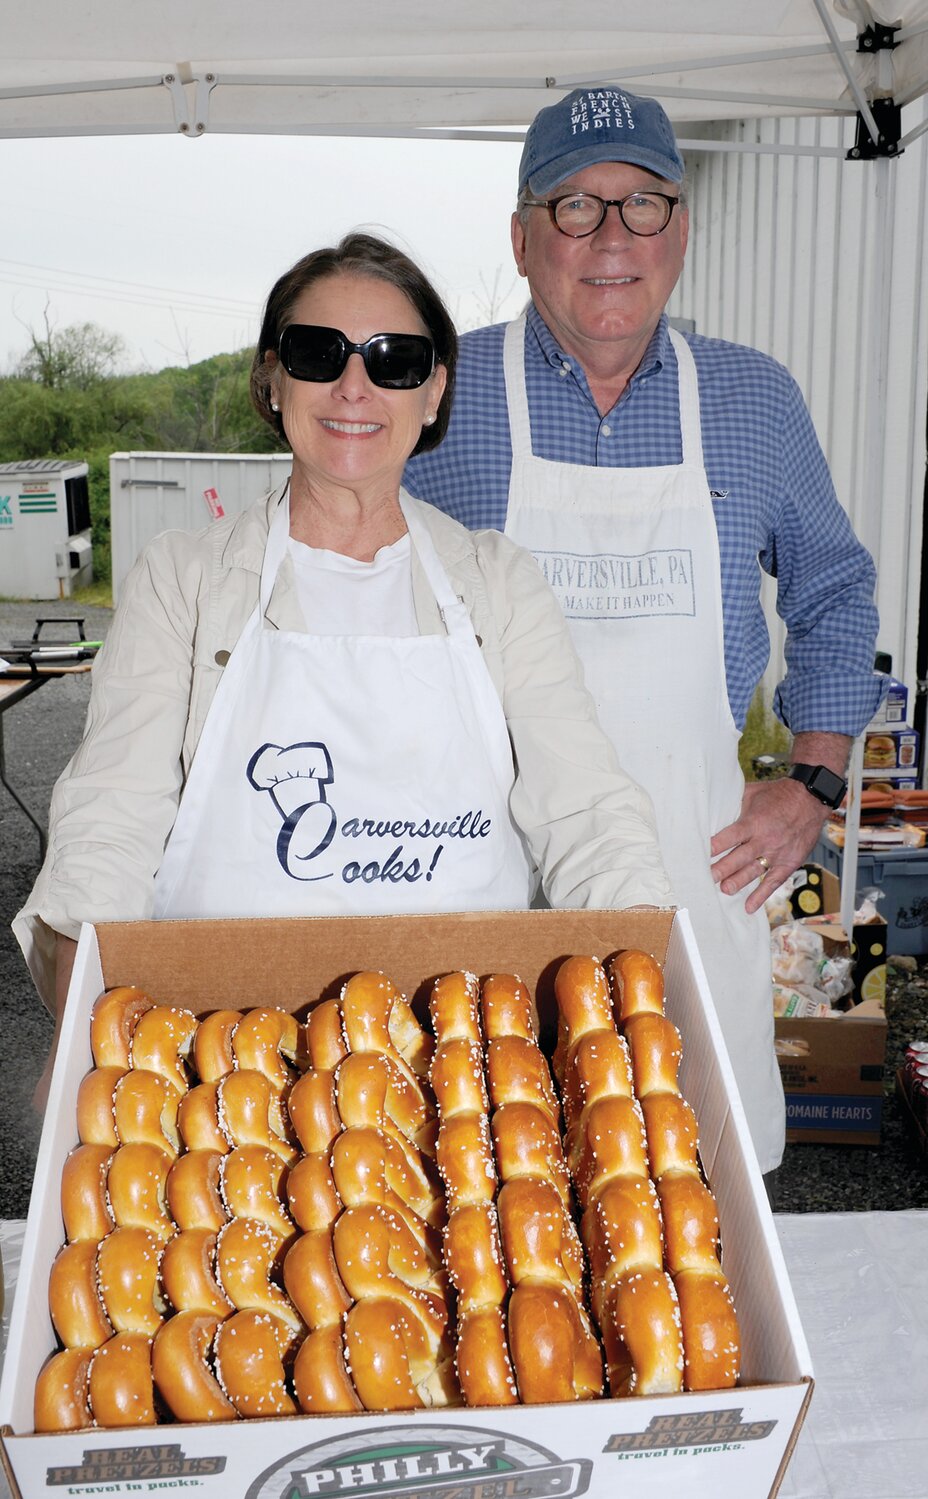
{"points": [[762, 862]]}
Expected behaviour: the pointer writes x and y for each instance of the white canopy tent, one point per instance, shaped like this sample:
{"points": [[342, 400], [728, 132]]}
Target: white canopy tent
{"points": [[411, 68], [437, 71]]}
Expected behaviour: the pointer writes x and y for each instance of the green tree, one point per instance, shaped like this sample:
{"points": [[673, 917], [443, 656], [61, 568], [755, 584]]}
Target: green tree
{"points": [[74, 358]]}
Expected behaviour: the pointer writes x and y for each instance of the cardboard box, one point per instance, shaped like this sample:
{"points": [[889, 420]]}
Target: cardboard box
{"points": [[894, 708], [894, 747], [735, 1442], [832, 1068]]}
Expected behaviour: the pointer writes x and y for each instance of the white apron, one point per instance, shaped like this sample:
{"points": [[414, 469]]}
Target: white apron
{"points": [[633, 557], [342, 775]]}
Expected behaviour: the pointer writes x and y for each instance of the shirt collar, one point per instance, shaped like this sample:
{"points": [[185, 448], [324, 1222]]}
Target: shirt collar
{"points": [[655, 355]]}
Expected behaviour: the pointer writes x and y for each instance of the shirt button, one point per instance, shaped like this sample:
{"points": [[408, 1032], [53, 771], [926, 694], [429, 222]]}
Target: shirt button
{"points": [[564, 370], [606, 430], [221, 657]]}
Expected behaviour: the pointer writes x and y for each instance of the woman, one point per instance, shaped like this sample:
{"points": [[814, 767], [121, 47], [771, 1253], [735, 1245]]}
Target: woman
{"points": [[340, 701]]}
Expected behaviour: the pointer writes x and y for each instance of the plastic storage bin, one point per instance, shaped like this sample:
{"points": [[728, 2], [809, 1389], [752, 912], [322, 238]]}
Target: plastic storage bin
{"points": [[902, 876]]}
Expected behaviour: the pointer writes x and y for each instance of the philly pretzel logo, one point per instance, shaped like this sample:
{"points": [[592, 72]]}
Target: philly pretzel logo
{"points": [[295, 776]]}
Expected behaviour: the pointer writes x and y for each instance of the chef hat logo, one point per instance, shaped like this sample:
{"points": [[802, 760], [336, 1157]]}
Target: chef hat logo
{"points": [[295, 776]]}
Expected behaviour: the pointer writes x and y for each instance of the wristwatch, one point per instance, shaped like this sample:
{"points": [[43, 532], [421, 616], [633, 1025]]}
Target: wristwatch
{"points": [[822, 782]]}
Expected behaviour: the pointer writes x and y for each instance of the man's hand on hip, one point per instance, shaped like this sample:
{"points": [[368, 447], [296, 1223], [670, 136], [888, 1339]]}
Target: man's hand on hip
{"points": [[779, 825]]}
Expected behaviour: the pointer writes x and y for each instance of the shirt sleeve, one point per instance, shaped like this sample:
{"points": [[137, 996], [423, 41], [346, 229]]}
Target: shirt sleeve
{"points": [[825, 593], [590, 828], [114, 805]]}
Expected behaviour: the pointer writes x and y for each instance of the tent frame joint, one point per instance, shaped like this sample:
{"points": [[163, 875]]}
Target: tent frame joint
{"points": [[877, 38], [888, 116]]}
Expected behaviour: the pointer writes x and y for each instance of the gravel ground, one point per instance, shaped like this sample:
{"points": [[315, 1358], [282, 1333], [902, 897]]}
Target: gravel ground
{"points": [[41, 733]]}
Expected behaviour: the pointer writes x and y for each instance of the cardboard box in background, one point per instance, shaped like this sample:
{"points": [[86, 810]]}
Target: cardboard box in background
{"points": [[832, 1068], [894, 708], [894, 747], [734, 1442]]}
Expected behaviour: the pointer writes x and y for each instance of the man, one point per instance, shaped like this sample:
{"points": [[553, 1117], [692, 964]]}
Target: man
{"points": [[650, 474]]}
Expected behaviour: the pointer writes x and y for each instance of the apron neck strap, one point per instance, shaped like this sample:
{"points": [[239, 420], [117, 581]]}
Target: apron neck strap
{"points": [[445, 597], [520, 428]]}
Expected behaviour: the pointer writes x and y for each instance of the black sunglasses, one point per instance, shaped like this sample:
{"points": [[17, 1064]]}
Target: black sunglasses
{"points": [[394, 361]]}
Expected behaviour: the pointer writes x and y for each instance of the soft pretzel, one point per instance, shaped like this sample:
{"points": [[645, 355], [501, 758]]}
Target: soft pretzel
{"points": [[584, 1004], [270, 1041], [609, 1141], [188, 1274], [311, 1196], [506, 1008], [249, 1350], [517, 1072], [392, 1358], [482, 1358], [84, 1203], [474, 1258], [673, 1140], [656, 1048], [251, 1113], [62, 1392], [162, 1041], [691, 1224], [321, 1380], [621, 1231], [247, 1255], [457, 1078], [711, 1338], [96, 1124], [122, 1391], [555, 1354], [637, 984], [377, 1017], [193, 1189], [528, 1144], [598, 1066], [368, 1166], [181, 1366], [213, 1056], [377, 1255], [643, 1336], [128, 1280], [74, 1302], [372, 1092], [453, 1007], [465, 1160], [325, 1039], [145, 1110], [198, 1119], [112, 1022], [313, 1111], [252, 1183], [538, 1236], [312, 1281], [136, 1184]]}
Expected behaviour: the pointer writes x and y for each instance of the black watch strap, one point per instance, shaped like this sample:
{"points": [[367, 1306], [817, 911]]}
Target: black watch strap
{"points": [[822, 782]]}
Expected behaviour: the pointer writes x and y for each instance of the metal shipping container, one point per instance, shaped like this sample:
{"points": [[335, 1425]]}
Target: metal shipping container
{"points": [[155, 492]]}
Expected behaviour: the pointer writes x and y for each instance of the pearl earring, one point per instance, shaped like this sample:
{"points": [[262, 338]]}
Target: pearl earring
{"points": [[274, 406], [428, 421]]}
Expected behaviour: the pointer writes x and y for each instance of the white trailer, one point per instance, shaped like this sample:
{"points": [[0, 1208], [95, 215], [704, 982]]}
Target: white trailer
{"points": [[155, 492], [45, 546]]}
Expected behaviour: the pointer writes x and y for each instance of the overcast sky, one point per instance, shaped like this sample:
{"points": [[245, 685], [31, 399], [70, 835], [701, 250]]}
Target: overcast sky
{"points": [[174, 243]]}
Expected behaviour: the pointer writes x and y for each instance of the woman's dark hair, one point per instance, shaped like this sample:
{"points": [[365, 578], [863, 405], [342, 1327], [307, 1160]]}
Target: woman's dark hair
{"points": [[358, 255]]}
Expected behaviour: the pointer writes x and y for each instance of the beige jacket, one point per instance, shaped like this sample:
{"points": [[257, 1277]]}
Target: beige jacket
{"points": [[589, 828]]}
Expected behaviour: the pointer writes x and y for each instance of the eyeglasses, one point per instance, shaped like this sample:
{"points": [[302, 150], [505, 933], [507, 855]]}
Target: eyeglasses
{"points": [[394, 361], [580, 214]]}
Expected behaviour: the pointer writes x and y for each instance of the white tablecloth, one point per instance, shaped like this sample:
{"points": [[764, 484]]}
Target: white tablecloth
{"points": [[861, 1282]]}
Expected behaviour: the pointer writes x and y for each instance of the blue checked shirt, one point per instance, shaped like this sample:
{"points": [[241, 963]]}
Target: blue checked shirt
{"points": [[772, 495]]}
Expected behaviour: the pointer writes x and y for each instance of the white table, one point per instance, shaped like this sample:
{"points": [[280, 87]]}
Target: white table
{"points": [[861, 1282]]}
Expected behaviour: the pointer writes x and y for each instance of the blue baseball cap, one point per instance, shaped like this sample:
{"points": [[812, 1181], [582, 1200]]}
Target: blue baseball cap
{"points": [[598, 124]]}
